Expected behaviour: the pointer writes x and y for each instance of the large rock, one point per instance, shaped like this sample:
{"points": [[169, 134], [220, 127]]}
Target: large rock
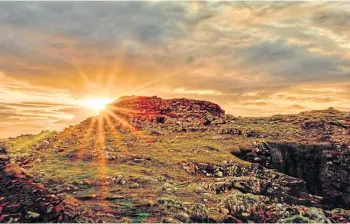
{"points": [[156, 110]]}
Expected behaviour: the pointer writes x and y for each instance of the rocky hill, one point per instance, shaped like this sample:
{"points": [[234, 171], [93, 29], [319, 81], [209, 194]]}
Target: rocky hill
{"points": [[176, 108], [141, 111], [147, 159]]}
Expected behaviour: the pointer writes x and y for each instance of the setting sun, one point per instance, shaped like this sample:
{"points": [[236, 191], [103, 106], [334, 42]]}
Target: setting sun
{"points": [[96, 104]]}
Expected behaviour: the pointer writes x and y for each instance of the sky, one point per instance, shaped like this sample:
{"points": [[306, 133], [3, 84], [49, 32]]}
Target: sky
{"points": [[252, 58]]}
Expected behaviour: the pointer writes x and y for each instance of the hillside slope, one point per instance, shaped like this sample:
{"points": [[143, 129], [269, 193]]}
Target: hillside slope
{"points": [[146, 159]]}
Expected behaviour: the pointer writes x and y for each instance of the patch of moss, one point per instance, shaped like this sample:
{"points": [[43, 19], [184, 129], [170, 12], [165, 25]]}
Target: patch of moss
{"points": [[170, 202], [25, 143], [297, 219], [141, 216]]}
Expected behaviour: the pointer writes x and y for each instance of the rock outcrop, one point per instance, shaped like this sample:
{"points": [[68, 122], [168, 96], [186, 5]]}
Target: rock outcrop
{"points": [[158, 109], [324, 168], [256, 179]]}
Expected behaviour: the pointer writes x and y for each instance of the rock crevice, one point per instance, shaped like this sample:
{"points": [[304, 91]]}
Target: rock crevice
{"points": [[324, 168]]}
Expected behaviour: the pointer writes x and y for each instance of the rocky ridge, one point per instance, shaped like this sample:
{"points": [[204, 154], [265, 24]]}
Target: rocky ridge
{"points": [[175, 108], [192, 115]]}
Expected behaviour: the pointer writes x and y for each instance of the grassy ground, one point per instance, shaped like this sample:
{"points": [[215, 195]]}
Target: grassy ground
{"points": [[145, 165], [25, 143], [140, 169]]}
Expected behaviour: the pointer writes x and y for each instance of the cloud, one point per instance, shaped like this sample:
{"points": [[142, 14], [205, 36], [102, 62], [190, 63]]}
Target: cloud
{"points": [[77, 36], [2, 108], [334, 20], [292, 62], [140, 42], [4, 115], [34, 104], [253, 58]]}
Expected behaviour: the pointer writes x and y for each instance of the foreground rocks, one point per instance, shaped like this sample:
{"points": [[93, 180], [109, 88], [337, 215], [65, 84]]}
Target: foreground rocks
{"points": [[256, 194], [21, 200], [256, 179]]}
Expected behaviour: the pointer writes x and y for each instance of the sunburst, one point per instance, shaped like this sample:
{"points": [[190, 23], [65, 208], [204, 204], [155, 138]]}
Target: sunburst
{"points": [[109, 118], [96, 104]]}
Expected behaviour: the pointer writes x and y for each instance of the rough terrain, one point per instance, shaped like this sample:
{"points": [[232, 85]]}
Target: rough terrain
{"points": [[146, 159]]}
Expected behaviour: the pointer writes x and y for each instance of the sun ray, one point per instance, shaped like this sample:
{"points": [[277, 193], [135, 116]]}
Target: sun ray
{"points": [[82, 147], [82, 75], [101, 156], [121, 110], [132, 129], [122, 121], [113, 73], [110, 125]]}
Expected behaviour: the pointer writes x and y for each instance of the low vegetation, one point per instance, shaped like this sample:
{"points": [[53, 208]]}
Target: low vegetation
{"points": [[177, 174]]}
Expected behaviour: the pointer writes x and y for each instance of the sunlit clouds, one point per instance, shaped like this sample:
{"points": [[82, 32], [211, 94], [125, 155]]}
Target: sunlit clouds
{"points": [[61, 62]]}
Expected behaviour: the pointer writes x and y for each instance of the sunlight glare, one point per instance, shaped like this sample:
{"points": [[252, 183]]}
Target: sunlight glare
{"points": [[96, 104]]}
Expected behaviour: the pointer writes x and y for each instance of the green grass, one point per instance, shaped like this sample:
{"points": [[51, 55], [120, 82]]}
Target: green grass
{"points": [[26, 142], [141, 216], [126, 204], [65, 170], [29, 140]]}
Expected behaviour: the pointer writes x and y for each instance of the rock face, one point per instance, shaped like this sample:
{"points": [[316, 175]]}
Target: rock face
{"points": [[325, 168], [173, 108]]}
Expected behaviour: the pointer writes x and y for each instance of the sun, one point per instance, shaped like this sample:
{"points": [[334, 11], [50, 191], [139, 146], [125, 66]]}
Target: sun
{"points": [[96, 104]]}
